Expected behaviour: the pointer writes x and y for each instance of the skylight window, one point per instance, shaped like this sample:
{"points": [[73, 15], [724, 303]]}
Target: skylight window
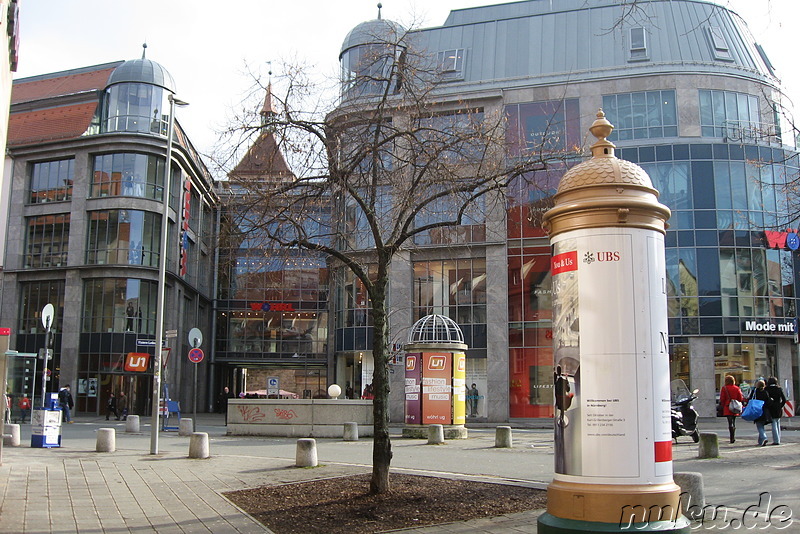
{"points": [[719, 45], [638, 44]]}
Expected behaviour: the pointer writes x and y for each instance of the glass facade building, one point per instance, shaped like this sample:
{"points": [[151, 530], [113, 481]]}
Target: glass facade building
{"points": [[695, 104]]}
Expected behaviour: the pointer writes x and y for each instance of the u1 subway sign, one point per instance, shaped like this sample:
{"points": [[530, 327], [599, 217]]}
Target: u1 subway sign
{"points": [[782, 240]]}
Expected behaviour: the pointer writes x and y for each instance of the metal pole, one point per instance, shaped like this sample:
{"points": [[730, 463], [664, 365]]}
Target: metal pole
{"points": [[194, 399], [44, 365], [162, 276]]}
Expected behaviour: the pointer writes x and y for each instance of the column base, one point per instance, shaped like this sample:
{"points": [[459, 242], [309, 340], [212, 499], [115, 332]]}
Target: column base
{"points": [[548, 524]]}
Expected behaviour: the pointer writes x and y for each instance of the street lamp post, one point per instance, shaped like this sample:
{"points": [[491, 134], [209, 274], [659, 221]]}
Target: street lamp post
{"points": [[162, 278]]}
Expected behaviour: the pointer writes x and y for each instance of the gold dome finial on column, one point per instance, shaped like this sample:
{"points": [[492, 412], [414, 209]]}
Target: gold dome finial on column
{"points": [[601, 129]]}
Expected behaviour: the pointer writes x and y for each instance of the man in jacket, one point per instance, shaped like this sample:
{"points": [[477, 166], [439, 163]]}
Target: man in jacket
{"points": [[778, 399], [66, 403]]}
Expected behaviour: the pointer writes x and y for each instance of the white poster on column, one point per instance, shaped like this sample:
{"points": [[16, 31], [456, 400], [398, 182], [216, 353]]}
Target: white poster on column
{"points": [[603, 333]]}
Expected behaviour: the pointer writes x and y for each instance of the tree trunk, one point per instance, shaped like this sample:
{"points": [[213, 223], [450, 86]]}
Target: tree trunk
{"points": [[382, 446]]}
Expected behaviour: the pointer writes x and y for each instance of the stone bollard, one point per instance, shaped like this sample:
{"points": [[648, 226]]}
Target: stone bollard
{"points": [[106, 440], [132, 424], [693, 497], [708, 446], [350, 432], [502, 437], [185, 427], [11, 439], [306, 455], [435, 435], [198, 445]]}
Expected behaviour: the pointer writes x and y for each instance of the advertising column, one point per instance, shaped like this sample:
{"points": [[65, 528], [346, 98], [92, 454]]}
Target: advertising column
{"points": [[613, 447]]}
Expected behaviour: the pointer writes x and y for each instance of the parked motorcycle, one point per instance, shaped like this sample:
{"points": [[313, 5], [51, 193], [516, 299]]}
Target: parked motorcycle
{"points": [[684, 416]]}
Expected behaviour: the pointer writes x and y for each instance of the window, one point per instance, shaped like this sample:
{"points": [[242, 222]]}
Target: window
{"points": [[136, 107], [451, 62], [126, 174], [129, 237], [119, 305], [548, 126], [732, 116], [641, 115], [52, 181], [719, 45], [638, 42], [457, 289], [33, 297], [47, 240]]}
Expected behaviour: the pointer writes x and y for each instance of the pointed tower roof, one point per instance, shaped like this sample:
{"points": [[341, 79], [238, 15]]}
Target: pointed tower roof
{"points": [[269, 108]]}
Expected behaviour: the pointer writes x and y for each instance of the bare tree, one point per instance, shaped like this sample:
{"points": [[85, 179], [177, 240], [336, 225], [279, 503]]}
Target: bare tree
{"points": [[394, 160]]}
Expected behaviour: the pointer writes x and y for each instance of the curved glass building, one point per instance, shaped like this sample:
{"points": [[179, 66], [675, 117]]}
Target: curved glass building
{"points": [[695, 101]]}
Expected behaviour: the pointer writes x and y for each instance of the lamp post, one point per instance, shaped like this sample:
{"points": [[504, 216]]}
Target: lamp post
{"points": [[162, 277]]}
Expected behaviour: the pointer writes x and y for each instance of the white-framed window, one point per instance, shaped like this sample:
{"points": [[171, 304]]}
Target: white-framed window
{"points": [[451, 62], [638, 44]]}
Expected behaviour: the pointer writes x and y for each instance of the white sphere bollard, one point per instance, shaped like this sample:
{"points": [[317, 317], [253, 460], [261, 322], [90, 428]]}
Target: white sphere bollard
{"points": [[185, 427], [502, 437], [132, 424], [334, 390], [11, 438], [435, 435], [350, 432], [198, 445], [106, 440], [306, 455]]}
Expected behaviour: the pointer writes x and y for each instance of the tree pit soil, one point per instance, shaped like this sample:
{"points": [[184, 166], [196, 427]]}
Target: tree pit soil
{"points": [[344, 505]]}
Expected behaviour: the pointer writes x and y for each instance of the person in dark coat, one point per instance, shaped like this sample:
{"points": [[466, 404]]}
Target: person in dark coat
{"points": [[66, 402], [730, 391], [760, 393], [222, 402], [778, 400], [111, 406]]}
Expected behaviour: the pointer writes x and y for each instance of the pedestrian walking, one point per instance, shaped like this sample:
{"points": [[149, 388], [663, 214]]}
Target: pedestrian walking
{"points": [[25, 407], [778, 399], [760, 393], [731, 410], [66, 402], [111, 406], [122, 406], [222, 402]]}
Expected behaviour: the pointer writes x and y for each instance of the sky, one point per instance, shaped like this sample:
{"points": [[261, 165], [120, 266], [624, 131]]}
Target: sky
{"points": [[212, 48]]}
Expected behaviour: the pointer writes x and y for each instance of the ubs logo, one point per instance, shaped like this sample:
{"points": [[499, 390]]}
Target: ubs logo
{"points": [[601, 256], [437, 363], [411, 363]]}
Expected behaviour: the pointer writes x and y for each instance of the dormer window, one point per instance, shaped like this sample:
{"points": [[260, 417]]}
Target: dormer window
{"points": [[451, 62], [638, 44], [719, 45]]}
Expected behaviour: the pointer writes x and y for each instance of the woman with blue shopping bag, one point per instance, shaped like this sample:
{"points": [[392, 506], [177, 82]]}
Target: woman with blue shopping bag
{"points": [[757, 410]]}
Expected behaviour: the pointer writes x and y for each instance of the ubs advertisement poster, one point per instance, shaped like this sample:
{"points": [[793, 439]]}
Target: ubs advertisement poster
{"points": [[611, 366], [459, 388], [437, 375], [413, 384]]}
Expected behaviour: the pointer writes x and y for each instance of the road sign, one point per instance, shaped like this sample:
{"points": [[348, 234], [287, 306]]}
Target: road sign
{"points": [[273, 385], [196, 355]]}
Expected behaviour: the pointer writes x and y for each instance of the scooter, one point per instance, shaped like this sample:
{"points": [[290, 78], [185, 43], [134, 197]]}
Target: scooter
{"points": [[684, 416]]}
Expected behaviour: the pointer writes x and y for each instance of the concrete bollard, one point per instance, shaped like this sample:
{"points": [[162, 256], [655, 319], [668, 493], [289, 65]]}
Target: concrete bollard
{"points": [[11, 439], [693, 497], [185, 427], [435, 435], [502, 437], [708, 447], [106, 440], [306, 455], [350, 432], [132, 424], [198, 445]]}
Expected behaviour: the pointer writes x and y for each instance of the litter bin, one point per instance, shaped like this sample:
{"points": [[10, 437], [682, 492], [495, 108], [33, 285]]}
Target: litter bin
{"points": [[46, 424]]}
